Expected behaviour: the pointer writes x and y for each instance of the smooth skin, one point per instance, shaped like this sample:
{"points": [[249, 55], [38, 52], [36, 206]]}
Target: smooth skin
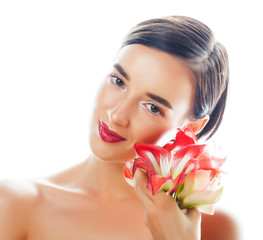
{"points": [[92, 200]]}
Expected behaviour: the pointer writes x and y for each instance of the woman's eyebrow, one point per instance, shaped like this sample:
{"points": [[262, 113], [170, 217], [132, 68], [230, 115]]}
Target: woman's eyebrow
{"points": [[121, 70], [160, 100], [152, 96]]}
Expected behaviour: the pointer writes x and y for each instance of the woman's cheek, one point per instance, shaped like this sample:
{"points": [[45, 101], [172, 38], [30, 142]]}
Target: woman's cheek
{"points": [[150, 133], [155, 129]]}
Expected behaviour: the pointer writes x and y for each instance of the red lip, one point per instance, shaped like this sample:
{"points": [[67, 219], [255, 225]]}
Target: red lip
{"points": [[108, 135]]}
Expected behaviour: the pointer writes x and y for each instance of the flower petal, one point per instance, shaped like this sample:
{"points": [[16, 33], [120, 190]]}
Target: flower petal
{"points": [[128, 177], [168, 186], [201, 180], [127, 173], [206, 161], [208, 209], [183, 138], [187, 186], [183, 155], [157, 182], [152, 153], [148, 167], [143, 164], [195, 181], [197, 198], [190, 133]]}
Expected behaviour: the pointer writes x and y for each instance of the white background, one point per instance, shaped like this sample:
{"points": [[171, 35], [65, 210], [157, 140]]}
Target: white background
{"points": [[53, 55]]}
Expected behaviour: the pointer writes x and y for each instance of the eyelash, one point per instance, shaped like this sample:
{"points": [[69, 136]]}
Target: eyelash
{"points": [[114, 78], [160, 112]]}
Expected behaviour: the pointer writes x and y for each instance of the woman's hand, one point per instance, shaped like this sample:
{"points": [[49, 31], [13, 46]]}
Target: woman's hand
{"points": [[162, 215]]}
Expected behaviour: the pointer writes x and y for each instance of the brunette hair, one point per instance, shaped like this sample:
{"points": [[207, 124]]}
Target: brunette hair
{"points": [[193, 42]]}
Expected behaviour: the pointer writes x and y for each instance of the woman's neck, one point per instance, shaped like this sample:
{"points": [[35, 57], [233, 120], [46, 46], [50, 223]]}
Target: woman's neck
{"points": [[103, 178]]}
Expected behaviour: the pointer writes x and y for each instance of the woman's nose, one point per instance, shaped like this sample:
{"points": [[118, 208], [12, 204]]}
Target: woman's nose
{"points": [[120, 115]]}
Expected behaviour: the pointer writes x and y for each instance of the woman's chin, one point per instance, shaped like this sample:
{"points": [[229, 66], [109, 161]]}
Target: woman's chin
{"points": [[111, 152]]}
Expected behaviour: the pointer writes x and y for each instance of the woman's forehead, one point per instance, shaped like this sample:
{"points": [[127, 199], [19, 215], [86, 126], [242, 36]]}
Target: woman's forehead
{"points": [[157, 71]]}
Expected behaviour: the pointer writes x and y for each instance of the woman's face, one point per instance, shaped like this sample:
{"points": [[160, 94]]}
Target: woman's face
{"points": [[146, 94]]}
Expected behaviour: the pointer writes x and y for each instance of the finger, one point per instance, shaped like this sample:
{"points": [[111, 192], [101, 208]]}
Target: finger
{"points": [[194, 214], [140, 188], [142, 181], [164, 196], [161, 200], [167, 203]]}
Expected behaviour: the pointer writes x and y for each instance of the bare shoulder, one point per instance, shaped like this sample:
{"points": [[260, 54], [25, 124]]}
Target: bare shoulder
{"points": [[17, 198], [220, 226]]}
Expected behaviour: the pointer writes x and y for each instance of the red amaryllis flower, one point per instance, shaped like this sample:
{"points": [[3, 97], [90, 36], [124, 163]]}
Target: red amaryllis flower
{"points": [[181, 168]]}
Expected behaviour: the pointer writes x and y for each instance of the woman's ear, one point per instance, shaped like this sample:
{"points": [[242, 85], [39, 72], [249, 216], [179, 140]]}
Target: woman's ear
{"points": [[198, 124]]}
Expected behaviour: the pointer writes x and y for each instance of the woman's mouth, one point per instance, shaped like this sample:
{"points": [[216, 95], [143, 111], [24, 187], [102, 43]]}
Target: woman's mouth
{"points": [[108, 135]]}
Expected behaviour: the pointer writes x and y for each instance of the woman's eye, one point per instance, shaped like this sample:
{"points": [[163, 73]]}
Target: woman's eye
{"points": [[117, 81], [153, 109]]}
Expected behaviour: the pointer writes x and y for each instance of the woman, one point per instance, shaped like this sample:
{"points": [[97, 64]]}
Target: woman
{"points": [[168, 73]]}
